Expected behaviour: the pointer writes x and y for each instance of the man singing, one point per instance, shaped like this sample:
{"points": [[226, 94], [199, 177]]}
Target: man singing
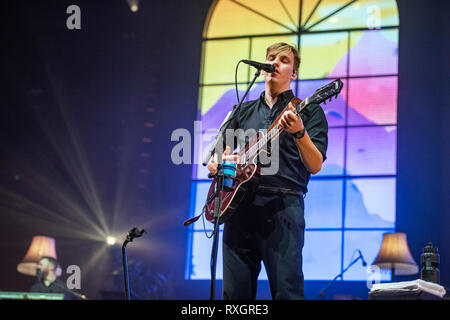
{"points": [[269, 224]]}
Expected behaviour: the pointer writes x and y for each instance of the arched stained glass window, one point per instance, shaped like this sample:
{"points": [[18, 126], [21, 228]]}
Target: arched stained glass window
{"points": [[351, 202]]}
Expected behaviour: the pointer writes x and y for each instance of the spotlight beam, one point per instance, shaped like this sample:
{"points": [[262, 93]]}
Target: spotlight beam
{"points": [[59, 228], [72, 154], [44, 187]]}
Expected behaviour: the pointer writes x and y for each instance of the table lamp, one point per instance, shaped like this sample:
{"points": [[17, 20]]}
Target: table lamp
{"points": [[41, 246], [394, 255]]}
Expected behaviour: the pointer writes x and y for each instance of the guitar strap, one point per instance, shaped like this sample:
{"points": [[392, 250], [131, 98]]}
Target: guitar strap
{"points": [[194, 219]]}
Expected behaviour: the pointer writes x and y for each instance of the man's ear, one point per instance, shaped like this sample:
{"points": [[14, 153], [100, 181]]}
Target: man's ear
{"points": [[294, 75]]}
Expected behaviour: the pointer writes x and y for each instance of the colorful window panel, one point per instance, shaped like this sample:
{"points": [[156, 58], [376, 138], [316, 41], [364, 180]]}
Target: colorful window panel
{"points": [[351, 202]]}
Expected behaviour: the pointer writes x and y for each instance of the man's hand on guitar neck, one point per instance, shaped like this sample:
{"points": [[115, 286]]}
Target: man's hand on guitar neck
{"points": [[290, 122], [212, 163]]}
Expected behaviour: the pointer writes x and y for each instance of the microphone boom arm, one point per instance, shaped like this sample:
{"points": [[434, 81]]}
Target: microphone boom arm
{"points": [[324, 289]]}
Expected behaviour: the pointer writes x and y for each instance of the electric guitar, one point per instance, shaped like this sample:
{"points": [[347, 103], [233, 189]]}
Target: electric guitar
{"points": [[247, 168]]}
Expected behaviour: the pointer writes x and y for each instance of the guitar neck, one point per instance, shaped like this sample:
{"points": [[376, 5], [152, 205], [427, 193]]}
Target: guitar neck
{"points": [[296, 105]]}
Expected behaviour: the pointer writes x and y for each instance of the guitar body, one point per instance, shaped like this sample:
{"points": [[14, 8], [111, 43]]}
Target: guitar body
{"points": [[249, 171], [229, 201], [246, 172]]}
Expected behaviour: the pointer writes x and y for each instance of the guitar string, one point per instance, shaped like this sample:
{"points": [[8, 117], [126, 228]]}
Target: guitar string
{"points": [[271, 135]]}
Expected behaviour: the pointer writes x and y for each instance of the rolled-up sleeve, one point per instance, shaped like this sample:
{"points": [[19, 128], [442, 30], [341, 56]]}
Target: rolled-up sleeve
{"points": [[316, 125]]}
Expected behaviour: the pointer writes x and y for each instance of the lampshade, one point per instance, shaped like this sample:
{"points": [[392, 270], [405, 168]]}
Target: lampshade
{"points": [[41, 246], [395, 255]]}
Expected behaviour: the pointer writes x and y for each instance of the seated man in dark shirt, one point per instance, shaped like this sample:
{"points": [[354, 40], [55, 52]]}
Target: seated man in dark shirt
{"points": [[47, 280], [269, 223]]}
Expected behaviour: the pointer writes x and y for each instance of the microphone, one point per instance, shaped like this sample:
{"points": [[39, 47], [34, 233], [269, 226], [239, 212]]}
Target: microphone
{"points": [[362, 258], [267, 67], [135, 233]]}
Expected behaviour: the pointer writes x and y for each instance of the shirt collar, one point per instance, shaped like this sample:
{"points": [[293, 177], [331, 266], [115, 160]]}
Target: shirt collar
{"points": [[282, 99]]}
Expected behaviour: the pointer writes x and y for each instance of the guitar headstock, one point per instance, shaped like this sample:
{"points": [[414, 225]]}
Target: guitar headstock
{"points": [[326, 92]]}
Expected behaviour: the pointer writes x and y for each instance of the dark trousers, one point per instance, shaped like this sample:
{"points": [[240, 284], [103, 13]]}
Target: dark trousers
{"points": [[268, 228]]}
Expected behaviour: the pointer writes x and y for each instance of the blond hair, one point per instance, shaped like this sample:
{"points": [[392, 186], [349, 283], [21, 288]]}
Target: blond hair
{"points": [[279, 47]]}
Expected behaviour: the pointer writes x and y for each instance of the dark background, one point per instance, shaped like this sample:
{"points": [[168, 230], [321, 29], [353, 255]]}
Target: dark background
{"points": [[75, 106]]}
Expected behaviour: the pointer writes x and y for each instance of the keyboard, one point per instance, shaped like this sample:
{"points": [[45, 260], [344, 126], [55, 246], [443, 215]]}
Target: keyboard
{"points": [[4, 295]]}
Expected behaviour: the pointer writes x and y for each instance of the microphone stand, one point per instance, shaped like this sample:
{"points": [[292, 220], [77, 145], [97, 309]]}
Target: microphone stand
{"points": [[324, 289], [219, 190], [217, 206], [133, 233]]}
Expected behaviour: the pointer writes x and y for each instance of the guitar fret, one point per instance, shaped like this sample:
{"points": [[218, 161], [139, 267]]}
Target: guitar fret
{"points": [[262, 141]]}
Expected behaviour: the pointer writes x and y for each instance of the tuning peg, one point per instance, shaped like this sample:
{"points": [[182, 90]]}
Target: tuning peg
{"points": [[330, 99], [325, 102], [335, 97]]}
